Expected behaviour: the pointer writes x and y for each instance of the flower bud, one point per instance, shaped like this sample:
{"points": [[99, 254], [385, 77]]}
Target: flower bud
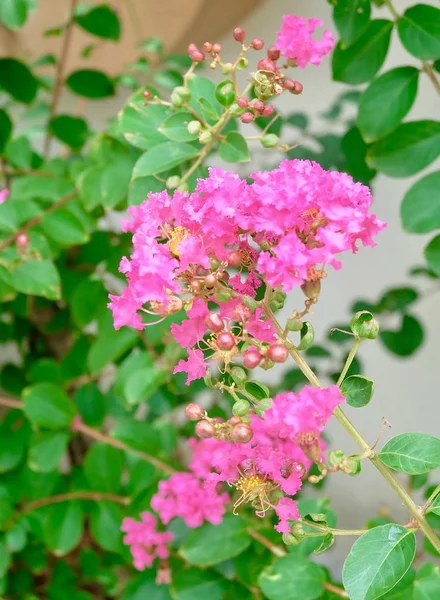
{"points": [[239, 34], [235, 110], [183, 187], [173, 182], [268, 110], [205, 137], [257, 44], [176, 100], [293, 538], [234, 259], [270, 140], [194, 412], [194, 127], [239, 376], [147, 94], [250, 303], [364, 325], [210, 280], [247, 117], [242, 102], [214, 322], [294, 325], [257, 105], [267, 364], [298, 88], [216, 48], [262, 406], [278, 353], [265, 64], [234, 420], [22, 240], [183, 92], [307, 336], [225, 341], [289, 84], [335, 457], [311, 289], [227, 68], [205, 429], [241, 408], [273, 53], [241, 433], [195, 54], [251, 358], [223, 295], [207, 47]]}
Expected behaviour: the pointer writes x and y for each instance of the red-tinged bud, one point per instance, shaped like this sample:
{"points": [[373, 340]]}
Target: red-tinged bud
{"points": [[147, 94], [214, 322], [278, 353], [257, 44], [194, 412], [210, 280], [258, 105], [195, 286], [195, 54], [242, 102], [289, 84], [207, 47], [234, 420], [273, 53], [268, 110], [247, 117], [225, 341], [239, 34], [234, 259], [223, 276], [216, 48], [266, 64], [76, 423], [205, 429], [22, 240], [297, 89], [241, 433], [251, 359]]}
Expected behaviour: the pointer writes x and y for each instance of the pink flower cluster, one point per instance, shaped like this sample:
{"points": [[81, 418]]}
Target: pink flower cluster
{"points": [[294, 40], [4, 195], [146, 543]]}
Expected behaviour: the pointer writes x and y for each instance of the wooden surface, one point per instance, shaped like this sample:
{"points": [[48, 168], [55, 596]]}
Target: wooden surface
{"points": [[176, 22]]}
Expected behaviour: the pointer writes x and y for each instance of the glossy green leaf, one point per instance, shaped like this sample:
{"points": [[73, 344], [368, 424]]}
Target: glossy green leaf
{"points": [[189, 584], [38, 278], [13, 13], [163, 157], [377, 561], [140, 122], [355, 151], [101, 21], [432, 255], [258, 390], [427, 588], [105, 185], [63, 527], [87, 300], [357, 390], [103, 467], [72, 131], [409, 149], [420, 208], [91, 404], [203, 98], [65, 227], [412, 453], [351, 17], [47, 405], [386, 101], [17, 80], [143, 587], [109, 347], [46, 450], [419, 31], [397, 299], [90, 84], [211, 544], [292, 577], [5, 129], [435, 505], [234, 148], [105, 525], [361, 61], [175, 127], [405, 340]]}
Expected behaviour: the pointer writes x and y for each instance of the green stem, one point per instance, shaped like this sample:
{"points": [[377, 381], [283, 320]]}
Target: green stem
{"points": [[349, 360], [431, 499], [325, 530]]}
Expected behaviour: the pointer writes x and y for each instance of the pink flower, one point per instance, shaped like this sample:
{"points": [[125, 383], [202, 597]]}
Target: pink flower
{"points": [[261, 329], [294, 40], [195, 366], [182, 495], [4, 195], [146, 543], [192, 330], [286, 509]]}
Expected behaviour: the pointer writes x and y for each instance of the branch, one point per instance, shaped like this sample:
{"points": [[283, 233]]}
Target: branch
{"points": [[77, 495]]}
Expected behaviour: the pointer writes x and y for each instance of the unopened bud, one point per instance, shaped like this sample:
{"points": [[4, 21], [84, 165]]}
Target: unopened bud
{"points": [[207, 47], [252, 358], [210, 280], [311, 289], [214, 322], [241, 408], [205, 429], [247, 117], [227, 68], [216, 48], [268, 110], [173, 182], [205, 137], [22, 240], [265, 64], [234, 259], [250, 302], [278, 353], [239, 376], [176, 100], [273, 53], [147, 94], [194, 127], [241, 433], [223, 295], [225, 341], [335, 457], [242, 102], [194, 412], [364, 325], [294, 325], [239, 34], [183, 92], [270, 140], [257, 44]]}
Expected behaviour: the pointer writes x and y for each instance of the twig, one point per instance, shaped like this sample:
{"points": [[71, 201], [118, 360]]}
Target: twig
{"points": [[77, 495]]}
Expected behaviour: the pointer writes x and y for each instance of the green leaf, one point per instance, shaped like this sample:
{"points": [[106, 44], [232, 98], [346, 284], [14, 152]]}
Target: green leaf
{"points": [[87, 301], [211, 544], [357, 390], [175, 127], [63, 527], [101, 21], [397, 299], [420, 208], [435, 506], [65, 227], [91, 404], [138, 435], [105, 525], [409, 149], [189, 584], [432, 254], [103, 467], [386, 101], [90, 84], [143, 586], [351, 17], [419, 31], [47, 405], [17, 80], [292, 577], [258, 390], [32, 187], [72, 131], [13, 13], [138, 378], [38, 278], [234, 148], [377, 561], [140, 122], [405, 340], [5, 129], [15, 437], [108, 347], [361, 61], [105, 185], [412, 453], [203, 99], [427, 588], [163, 157], [46, 450]]}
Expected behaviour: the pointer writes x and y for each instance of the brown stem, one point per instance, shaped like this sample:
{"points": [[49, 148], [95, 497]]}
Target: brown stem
{"points": [[10, 403], [427, 67], [60, 74], [36, 220], [5, 173], [77, 495]]}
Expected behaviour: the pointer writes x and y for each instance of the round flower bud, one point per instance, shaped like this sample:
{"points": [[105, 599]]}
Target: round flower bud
{"points": [[268, 110], [270, 140], [225, 341], [266, 64], [239, 34], [195, 54], [257, 44], [223, 276], [235, 110], [176, 100], [195, 285], [207, 47], [294, 325], [273, 53], [214, 322], [241, 408], [258, 105], [364, 325], [241, 433], [183, 187], [22, 240], [194, 412], [183, 92], [234, 259], [173, 182], [242, 102], [216, 48], [210, 280], [222, 295], [289, 84], [247, 117], [147, 94], [227, 68], [251, 358], [234, 420], [239, 375], [298, 89], [194, 127], [205, 137], [278, 353], [335, 457], [205, 429], [290, 539], [250, 303]]}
